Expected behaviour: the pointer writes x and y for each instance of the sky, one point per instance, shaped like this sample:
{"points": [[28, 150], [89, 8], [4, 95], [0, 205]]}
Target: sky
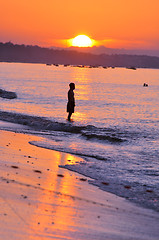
{"points": [[114, 23]]}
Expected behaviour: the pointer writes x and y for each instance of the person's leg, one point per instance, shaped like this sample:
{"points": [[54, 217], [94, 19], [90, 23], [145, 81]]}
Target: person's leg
{"points": [[69, 116]]}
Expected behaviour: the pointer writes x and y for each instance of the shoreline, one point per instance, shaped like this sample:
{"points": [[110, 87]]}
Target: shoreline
{"points": [[82, 66], [40, 200]]}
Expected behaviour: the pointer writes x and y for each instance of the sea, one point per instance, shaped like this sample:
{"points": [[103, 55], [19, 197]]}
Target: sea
{"points": [[115, 127]]}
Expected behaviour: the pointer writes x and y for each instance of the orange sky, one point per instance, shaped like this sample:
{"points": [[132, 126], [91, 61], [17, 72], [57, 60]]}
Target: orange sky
{"points": [[114, 23]]}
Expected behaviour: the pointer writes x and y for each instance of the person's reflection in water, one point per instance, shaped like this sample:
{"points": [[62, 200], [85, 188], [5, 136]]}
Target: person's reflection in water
{"points": [[71, 101]]}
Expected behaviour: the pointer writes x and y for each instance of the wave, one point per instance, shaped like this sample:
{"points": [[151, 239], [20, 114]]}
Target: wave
{"points": [[44, 124], [42, 144], [102, 137]]}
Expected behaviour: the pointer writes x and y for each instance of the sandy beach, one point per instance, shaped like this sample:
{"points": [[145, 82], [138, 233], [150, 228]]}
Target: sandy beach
{"points": [[40, 200]]}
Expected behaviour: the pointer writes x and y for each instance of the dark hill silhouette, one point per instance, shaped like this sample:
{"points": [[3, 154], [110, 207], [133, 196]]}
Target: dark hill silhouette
{"points": [[110, 51], [10, 52]]}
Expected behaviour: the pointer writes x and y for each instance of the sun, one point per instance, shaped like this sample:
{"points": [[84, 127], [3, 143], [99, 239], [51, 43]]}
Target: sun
{"points": [[81, 41]]}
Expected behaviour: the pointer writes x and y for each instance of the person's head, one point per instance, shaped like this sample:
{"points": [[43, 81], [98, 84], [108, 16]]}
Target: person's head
{"points": [[72, 86]]}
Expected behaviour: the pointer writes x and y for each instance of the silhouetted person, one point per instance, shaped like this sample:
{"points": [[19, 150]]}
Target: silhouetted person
{"points": [[71, 101]]}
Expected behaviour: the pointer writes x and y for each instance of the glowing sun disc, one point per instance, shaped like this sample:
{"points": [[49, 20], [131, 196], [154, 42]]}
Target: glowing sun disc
{"points": [[81, 41]]}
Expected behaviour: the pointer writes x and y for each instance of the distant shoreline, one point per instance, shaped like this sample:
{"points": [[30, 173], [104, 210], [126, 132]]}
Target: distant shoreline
{"points": [[79, 66], [10, 52]]}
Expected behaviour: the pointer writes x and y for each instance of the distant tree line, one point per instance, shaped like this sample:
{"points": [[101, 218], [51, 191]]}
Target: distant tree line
{"points": [[10, 52]]}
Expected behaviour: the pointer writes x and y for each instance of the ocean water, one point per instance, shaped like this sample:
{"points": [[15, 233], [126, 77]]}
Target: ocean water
{"points": [[115, 127]]}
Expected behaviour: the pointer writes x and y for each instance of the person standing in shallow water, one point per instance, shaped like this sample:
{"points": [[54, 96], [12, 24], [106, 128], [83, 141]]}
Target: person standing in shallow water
{"points": [[71, 101]]}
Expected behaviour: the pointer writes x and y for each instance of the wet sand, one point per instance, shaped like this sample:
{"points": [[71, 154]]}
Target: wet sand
{"points": [[40, 200]]}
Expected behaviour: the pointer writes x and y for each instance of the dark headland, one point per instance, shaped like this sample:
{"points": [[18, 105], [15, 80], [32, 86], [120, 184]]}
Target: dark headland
{"points": [[10, 52]]}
